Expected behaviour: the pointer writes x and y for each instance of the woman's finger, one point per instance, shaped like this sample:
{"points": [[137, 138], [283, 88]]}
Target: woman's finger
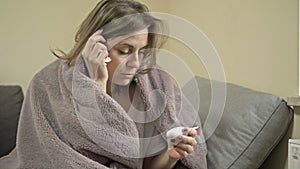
{"points": [[97, 38], [185, 147], [99, 50], [102, 56], [192, 132], [189, 132], [98, 32], [92, 41], [181, 152], [189, 140], [176, 153]]}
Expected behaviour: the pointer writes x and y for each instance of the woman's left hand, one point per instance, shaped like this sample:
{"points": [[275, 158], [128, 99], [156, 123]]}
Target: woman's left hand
{"points": [[185, 146]]}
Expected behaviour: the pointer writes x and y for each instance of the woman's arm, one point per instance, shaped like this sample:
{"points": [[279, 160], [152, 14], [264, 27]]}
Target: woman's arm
{"points": [[161, 161]]}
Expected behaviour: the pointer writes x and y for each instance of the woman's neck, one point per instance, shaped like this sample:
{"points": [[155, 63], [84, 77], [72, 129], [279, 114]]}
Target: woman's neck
{"points": [[124, 91], [123, 94]]}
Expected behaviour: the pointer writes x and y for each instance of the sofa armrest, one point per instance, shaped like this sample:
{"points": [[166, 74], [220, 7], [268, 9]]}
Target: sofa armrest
{"points": [[11, 99]]}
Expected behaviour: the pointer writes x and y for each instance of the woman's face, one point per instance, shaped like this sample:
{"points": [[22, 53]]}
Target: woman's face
{"points": [[126, 56]]}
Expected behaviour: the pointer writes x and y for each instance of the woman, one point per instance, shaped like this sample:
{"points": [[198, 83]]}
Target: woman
{"points": [[87, 112]]}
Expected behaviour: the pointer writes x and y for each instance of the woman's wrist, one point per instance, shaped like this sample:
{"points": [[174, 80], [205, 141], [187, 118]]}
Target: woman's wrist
{"points": [[101, 84], [171, 161], [161, 161]]}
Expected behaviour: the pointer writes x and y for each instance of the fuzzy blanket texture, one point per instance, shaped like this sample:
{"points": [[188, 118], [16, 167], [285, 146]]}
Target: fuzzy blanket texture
{"points": [[68, 122]]}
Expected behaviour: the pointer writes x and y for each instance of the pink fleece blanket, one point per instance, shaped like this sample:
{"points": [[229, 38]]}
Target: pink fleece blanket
{"points": [[67, 122]]}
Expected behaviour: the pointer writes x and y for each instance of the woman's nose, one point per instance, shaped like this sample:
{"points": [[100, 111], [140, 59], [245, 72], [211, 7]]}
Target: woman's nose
{"points": [[133, 60]]}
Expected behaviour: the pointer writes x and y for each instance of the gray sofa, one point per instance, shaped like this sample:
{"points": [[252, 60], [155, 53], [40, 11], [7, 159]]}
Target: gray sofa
{"points": [[251, 126]]}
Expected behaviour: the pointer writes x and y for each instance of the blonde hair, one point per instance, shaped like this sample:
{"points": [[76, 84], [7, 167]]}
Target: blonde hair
{"points": [[117, 18]]}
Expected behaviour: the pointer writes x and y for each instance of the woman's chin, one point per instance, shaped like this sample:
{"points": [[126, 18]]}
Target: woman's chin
{"points": [[123, 82]]}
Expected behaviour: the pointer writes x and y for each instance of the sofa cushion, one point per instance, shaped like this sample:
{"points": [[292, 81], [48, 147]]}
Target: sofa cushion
{"points": [[251, 125], [11, 98]]}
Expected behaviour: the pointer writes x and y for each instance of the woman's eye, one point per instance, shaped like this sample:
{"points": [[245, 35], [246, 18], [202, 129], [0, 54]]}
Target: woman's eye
{"points": [[123, 52]]}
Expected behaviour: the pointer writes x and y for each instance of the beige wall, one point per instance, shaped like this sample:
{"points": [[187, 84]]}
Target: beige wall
{"points": [[29, 28], [257, 40]]}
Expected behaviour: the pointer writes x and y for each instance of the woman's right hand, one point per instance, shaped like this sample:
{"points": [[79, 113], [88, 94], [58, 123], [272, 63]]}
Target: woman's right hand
{"points": [[94, 54], [185, 144]]}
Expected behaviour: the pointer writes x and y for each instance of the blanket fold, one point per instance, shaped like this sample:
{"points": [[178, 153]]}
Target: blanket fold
{"points": [[67, 121]]}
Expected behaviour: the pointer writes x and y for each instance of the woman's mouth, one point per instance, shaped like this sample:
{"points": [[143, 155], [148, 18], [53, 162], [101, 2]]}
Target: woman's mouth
{"points": [[128, 75]]}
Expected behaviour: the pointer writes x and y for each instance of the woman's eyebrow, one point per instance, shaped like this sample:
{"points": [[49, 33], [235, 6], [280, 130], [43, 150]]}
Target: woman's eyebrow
{"points": [[125, 44], [131, 46]]}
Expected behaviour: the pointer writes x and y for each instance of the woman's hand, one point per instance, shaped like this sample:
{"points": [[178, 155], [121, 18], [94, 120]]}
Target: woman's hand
{"points": [[185, 146], [167, 160], [94, 54]]}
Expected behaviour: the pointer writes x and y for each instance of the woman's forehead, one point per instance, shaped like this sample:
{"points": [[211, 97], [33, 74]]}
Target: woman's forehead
{"points": [[137, 39]]}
